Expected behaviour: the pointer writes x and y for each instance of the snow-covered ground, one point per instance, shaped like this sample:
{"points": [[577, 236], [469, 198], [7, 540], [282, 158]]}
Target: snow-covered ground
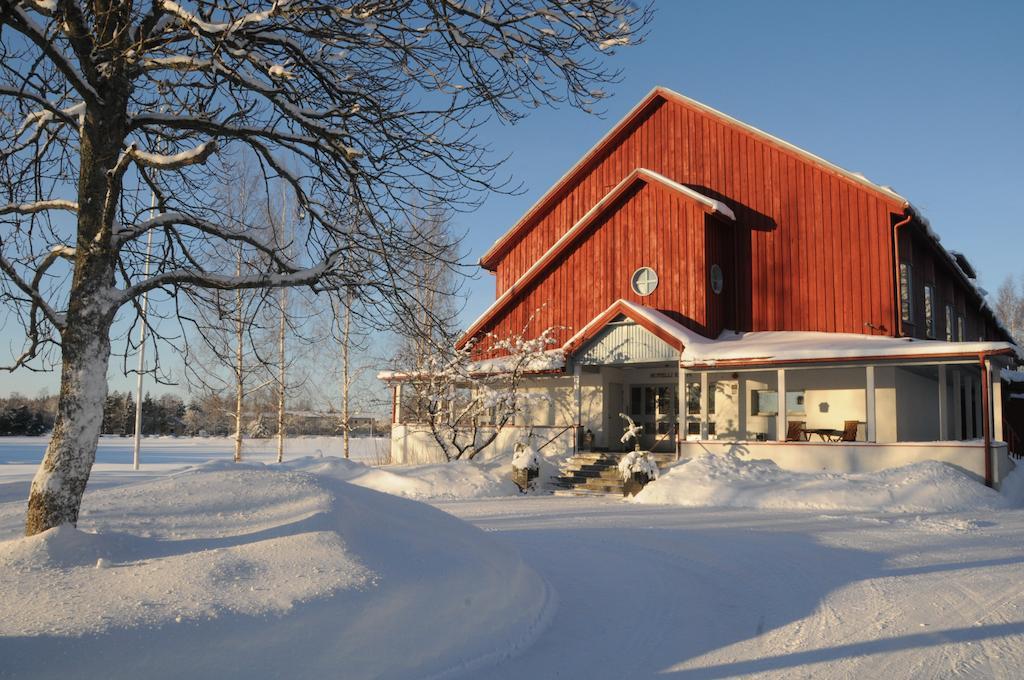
{"points": [[20, 456], [668, 592], [289, 571], [727, 480], [251, 571]]}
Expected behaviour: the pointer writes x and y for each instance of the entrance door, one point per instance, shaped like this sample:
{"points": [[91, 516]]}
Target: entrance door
{"points": [[613, 423], [655, 408]]}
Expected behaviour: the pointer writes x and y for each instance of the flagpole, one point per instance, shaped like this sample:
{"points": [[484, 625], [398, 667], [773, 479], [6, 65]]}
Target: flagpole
{"points": [[142, 345]]}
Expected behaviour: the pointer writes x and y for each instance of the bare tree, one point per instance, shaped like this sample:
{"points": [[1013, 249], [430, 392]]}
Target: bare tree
{"points": [[465, 401], [1009, 307], [221, 353], [375, 105]]}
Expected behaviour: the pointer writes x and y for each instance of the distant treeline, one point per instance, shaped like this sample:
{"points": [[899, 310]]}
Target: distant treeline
{"points": [[211, 415]]}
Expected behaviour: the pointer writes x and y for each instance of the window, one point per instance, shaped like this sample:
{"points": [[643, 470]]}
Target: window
{"points": [[766, 403], [929, 310], [644, 281], [907, 292], [693, 398], [959, 327], [795, 403], [949, 323], [717, 279]]}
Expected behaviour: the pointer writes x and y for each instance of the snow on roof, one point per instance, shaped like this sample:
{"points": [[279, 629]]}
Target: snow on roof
{"points": [[788, 346], [552, 360], [1012, 376]]}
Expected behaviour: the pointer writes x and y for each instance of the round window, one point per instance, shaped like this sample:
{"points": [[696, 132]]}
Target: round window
{"points": [[644, 281], [717, 279]]}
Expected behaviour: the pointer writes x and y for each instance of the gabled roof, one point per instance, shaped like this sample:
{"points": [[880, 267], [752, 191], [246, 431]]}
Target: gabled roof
{"points": [[576, 231], [663, 327], [653, 99]]}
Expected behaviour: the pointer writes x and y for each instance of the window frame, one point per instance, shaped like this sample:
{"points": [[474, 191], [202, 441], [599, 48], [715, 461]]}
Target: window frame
{"points": [[929, 310], [633, 281], [907, 292]]}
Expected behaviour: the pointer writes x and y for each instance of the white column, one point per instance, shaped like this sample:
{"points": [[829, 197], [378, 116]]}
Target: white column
{"points": [[958, 405], [578, 393], [681, 431], [869, 403], [971, 407], [781, 426], [398, 403], [741, 387], [996, 400], [704, 405], [943, 405]]}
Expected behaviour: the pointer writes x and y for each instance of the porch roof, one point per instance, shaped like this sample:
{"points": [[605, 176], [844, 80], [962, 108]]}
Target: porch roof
{"points": [[733, 348]]}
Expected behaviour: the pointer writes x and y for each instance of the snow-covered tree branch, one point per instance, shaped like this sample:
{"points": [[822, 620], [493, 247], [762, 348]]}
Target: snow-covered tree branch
{"points": [[120, 113], [466, 402]]}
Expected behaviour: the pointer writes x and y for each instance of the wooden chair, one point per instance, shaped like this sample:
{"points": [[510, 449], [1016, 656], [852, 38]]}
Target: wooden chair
{"points": [[850, 430], [796, 431]]}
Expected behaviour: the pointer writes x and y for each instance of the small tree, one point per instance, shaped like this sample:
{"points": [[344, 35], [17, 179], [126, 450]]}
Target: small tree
{"points": [[258, 428], [1009, 308], [467, 402]]}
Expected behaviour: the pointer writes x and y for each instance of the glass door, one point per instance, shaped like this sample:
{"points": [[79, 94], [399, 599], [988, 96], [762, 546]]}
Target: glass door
{"points": [[656, 409]]}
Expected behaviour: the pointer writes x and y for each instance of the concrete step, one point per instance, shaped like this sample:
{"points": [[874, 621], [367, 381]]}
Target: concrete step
{"points": [[578, 492]]}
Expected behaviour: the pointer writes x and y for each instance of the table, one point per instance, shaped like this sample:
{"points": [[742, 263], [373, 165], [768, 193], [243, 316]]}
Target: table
{"points": [[826, 434]]}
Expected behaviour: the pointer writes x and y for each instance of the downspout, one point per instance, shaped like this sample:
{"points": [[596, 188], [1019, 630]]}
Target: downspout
{"points": [[899, 280], [986, 408]]}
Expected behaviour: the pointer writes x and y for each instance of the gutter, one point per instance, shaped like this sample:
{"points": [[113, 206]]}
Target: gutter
{"points": [[899, 280], [986, 410]]}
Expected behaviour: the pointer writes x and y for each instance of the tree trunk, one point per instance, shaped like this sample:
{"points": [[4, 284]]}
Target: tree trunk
{"points": [[56, 494], [58, 485]]}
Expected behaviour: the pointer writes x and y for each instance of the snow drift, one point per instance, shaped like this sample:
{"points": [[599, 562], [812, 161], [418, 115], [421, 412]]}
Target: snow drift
{"points": [[727, 480], [234, 570], [436, 481]]}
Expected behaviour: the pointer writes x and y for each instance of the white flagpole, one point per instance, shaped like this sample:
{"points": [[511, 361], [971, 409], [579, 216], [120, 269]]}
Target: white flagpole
{"points": [[142, 345]]}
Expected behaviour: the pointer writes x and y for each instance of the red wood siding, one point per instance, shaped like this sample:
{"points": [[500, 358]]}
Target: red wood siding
{"points": [[814, 248], [649, 225]]}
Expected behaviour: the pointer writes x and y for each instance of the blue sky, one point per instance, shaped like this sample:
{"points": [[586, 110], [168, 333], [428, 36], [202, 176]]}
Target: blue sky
{"points": [[923, 96]]}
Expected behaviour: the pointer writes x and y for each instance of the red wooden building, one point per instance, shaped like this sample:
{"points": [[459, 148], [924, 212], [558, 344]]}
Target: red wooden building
{"points": [[688, 254]]}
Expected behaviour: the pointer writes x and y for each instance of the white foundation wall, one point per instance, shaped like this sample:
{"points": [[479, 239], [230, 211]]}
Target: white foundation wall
{"points": [[414, 444], [854, 457]]}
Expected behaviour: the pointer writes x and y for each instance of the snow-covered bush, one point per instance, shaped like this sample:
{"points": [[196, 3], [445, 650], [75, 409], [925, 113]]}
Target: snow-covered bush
{"points": [[258, 428], [632, 432], [525, 457], [638, 462]]}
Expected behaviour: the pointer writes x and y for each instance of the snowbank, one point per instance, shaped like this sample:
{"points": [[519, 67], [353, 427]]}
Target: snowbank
{"points": [[249, 571], [729, 481], [441, 481]]}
